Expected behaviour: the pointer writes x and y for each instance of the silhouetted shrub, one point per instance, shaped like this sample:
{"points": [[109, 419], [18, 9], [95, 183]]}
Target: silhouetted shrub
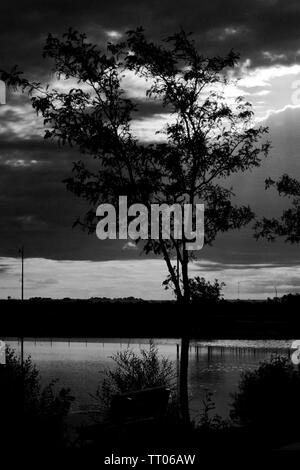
{"points": [[268, 398], [201, 289], [31, 413], [136, 371]]}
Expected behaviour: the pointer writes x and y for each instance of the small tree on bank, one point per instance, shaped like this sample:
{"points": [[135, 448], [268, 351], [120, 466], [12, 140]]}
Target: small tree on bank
{"points": [[200, 289], [207, 139]]}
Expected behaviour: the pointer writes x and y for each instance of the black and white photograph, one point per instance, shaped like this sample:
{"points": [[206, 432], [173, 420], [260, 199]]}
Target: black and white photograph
{"points": [[149, 232]]}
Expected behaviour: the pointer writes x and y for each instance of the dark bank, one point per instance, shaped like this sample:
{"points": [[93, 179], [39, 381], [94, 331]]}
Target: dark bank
{"points": [[129, 318]]}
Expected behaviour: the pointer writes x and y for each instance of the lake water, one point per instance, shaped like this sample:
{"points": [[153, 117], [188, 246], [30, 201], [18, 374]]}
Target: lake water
{"points": [[214, 365]]}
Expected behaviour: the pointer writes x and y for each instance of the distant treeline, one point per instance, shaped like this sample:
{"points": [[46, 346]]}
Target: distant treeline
{"points": [[289, 298], [99, 317]]}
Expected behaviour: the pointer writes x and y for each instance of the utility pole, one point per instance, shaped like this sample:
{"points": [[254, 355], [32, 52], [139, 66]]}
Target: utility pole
{"points": [[21, 252]]}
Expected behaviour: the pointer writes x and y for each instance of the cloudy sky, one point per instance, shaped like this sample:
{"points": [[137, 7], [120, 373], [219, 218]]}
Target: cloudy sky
{"points": [[37, 211]]}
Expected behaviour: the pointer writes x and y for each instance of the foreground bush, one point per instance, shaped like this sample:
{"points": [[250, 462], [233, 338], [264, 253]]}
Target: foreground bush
{"points": [[268, 398], [136, 371], [29, 413]]}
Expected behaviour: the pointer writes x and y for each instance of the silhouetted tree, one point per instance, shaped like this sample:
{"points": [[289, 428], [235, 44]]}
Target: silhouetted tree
{"points": [[288, 225], [208, 137]]}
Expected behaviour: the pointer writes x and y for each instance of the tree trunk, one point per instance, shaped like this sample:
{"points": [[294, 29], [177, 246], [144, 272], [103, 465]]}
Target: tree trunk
{"points": [[185, 342], [182, 302], [183, 383]]}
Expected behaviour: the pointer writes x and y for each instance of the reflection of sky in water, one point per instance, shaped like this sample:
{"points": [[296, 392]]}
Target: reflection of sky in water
{"points": [[214, 365]]}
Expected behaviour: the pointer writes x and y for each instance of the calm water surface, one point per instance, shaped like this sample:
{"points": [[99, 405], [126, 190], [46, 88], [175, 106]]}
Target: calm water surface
{"points": [[214, 365]]}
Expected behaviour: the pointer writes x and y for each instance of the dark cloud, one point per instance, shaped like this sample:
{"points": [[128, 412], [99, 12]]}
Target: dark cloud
{"points": [[4, 268], [147, 108], [37, 211], [250, 27]]}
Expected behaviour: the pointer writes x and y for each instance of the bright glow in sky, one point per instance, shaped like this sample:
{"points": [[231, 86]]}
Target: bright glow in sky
{"points": [[269, 89]]}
